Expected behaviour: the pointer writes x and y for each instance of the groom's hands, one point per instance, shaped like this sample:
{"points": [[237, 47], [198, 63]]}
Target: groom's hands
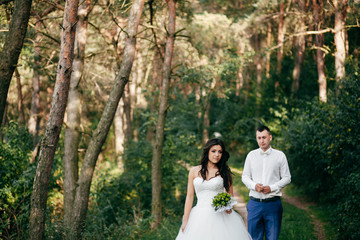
{"points": [[262, 189], [259, 187]]}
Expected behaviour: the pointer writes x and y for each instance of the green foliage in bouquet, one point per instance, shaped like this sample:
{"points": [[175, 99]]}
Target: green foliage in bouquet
{"points": [[221, 200]]}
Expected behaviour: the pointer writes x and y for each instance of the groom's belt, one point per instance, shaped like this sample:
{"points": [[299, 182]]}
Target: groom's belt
{"points": [[265, 199]]}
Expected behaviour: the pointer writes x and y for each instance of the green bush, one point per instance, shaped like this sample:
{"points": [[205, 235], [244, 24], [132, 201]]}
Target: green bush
{"points": [[16, 179], [323, 151], [123, 201]]}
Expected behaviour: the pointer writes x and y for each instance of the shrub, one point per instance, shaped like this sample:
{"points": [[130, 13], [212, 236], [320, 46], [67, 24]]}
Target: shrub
{"points": [[322, 148], [16, 178]]}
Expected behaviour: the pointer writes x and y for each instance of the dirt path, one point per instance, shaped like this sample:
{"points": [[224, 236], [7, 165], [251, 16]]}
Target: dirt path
{"points": [[240, 207], [296, 201], [302, 204]]}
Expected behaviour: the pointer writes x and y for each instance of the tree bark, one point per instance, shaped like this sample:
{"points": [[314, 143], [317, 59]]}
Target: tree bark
{"points": [[340, 40], [320, 56], [119, 134], [34, 120], [100, 133], [268, 53], [72, 135], [127, 113], [206, 123], [240, 80], [281, 37], [159, 137], [300, 50], [53, 127], [12, 47], [20, 107], [155, 85]]}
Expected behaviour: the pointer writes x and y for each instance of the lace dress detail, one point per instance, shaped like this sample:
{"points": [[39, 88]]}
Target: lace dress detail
{"points": [[204, 223], [207, 189]]}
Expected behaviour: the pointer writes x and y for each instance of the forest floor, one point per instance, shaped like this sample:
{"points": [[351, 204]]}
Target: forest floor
{"points": [[298, 202], [305, 205]]}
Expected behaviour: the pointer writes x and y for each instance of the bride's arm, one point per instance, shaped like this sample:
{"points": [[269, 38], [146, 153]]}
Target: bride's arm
{"points": [[231, 192], [189, 198]]}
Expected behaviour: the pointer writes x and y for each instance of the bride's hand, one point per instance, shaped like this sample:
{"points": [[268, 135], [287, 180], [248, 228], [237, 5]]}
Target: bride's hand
{"points": [[183, 226], [228, 211]]}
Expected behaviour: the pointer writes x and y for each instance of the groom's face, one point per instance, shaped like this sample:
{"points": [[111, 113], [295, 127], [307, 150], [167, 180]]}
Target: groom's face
{"points": [[263, 139]]}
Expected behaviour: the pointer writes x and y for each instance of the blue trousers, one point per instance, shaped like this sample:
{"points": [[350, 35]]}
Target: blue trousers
{"points": [[264, 218]]}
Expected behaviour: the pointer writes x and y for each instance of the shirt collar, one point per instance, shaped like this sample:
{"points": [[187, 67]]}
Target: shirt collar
{"points": [[267, 152]]}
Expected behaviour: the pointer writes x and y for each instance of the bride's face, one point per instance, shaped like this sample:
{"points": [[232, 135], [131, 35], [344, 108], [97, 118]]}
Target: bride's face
{"points": [[215, 154]]}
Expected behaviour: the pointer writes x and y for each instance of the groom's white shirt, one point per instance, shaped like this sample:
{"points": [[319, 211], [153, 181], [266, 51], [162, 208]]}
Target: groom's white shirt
{"points": [[269, 168]]}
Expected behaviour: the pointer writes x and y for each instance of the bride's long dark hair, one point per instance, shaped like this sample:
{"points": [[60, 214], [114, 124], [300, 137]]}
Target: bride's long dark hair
{"points": [[224, 170]]}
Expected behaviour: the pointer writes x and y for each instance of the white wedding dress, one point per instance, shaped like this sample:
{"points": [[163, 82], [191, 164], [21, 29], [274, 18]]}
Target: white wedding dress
{"points": [[204, 223]]}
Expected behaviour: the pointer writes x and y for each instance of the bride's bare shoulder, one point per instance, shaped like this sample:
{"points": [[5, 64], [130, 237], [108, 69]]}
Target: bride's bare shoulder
{"points": [[194, 171]]}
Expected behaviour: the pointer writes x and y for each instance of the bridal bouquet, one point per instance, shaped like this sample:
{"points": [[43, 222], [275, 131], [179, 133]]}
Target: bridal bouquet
{"points": [[223, 201]]}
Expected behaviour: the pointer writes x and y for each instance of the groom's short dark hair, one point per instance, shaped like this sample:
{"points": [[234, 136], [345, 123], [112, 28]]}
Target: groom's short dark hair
{"points": [[262, 128]]}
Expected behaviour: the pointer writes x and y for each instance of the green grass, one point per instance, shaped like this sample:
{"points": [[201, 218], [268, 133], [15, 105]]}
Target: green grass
{"points": [[322, 213], [296, 224], [168, 229]]}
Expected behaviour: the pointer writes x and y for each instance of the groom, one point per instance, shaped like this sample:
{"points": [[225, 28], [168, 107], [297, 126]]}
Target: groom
{"points": [[266, 172]]}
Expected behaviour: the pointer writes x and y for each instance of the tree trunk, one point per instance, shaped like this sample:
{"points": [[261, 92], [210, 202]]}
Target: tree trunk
{"points": [[127, 112], [259, 77], [155, 85], [34, 119], [72, 136], [240, 80], [53, 128], [281, 37], [12, 47], [320, 56], [268, 53], [159, 138], [206, 123], [20, 107], [100, 133], [300, 50], [340, 41], [119, 134]]}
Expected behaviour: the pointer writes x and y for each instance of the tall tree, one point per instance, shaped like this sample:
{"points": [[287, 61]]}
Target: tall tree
{"points": [[99, 135], [72, 135], [159, 137], [12, 47], [20, 107], [300, 48], [54, 124], [268, 53], [155, 84], [34, 119], [319, 42], [280, 37], [33, 123], [127, 113], [119, 134], [340, 40]]}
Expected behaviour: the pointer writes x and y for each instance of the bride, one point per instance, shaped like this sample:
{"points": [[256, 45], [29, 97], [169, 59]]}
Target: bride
{"points": [[207, 180]]}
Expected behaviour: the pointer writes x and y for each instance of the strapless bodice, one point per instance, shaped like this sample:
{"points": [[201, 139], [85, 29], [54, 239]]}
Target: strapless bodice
{"points": [[207, 189]]}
